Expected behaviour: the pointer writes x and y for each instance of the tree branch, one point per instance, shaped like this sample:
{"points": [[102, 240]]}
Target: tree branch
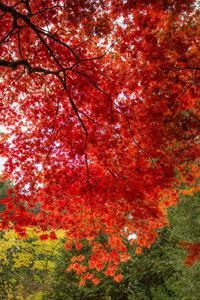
{"points": [[23, 62]]}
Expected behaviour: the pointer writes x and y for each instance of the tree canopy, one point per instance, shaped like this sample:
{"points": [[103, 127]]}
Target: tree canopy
{"points": [[100, 101]]}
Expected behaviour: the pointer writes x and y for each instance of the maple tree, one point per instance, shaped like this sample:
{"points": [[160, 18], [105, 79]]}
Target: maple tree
{"points": [[100, 103]]}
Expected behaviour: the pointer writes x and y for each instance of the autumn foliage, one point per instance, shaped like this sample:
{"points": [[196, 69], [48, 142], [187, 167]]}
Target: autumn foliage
{"points": [[101, 104], [193, 252]]}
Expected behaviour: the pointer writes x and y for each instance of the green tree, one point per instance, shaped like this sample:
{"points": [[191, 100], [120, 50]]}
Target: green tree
{"points": [[158, 273], [146, 276], [185, 220]]}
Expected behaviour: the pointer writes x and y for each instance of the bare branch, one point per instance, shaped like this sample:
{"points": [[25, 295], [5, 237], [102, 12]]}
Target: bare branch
{"points": [[7, 36], [77, 113], [16, 63]]}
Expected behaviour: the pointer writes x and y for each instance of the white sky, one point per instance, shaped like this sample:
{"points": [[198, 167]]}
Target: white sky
{"points": [[2, 161]]}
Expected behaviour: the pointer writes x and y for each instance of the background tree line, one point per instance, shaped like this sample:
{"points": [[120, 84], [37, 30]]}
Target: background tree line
{"points": [[35, 269]]}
